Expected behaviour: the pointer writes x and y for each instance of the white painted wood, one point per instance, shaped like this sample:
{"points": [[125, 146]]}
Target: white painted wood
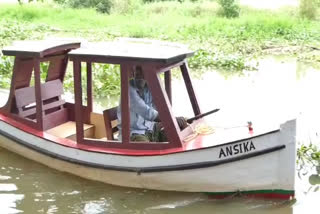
{"points": [[275, 170]]}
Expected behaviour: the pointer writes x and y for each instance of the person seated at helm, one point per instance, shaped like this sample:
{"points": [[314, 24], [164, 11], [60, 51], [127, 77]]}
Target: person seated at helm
{"points": [[145, 124]]}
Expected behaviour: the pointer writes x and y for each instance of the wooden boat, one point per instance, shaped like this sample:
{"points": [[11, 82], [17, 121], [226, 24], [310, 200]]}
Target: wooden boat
{"points": [[38, 124]]}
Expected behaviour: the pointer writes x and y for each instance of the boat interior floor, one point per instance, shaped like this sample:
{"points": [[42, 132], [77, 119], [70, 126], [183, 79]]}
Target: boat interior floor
{"points": [[68, 130]]}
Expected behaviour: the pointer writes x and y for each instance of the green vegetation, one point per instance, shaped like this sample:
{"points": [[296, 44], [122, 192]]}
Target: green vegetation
{"points": [[309, 155], [308, 8], [229, 8], [226, 44]]}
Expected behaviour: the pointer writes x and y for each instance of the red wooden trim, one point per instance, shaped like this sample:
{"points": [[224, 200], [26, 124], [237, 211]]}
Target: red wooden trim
{"points": [[193, 99], [163, 105], [281, 196], [125, 113], [78, 100], [37, 81], [73, 144], [21, 124], [89, 86], [118, 145], [167, 80], [18, 119]]}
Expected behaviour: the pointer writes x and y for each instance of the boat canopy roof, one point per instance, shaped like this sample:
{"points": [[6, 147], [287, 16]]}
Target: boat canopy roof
{"points": [[39, 49], [132, 50]]}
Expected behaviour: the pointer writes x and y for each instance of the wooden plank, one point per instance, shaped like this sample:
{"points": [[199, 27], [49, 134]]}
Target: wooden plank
{"points": [[125, 113], [89, 87], [193, 99], [78, 100], [26, 96], [110, 115], [57, 68], [68, 129], [133, 51], [167, 80], [22, 71], [37, 82], [97, 120], [55, 118], [39, 49], [163, 105]]}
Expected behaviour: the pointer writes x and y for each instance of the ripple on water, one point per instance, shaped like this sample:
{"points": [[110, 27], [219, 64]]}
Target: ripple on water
{"points": [[8, 203]]}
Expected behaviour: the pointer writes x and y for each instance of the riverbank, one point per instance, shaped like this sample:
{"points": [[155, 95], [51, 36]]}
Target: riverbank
{"points": [[222, 43]]}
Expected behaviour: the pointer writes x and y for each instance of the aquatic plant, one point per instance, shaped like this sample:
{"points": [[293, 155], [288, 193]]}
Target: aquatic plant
{"points": [[309, 154]]}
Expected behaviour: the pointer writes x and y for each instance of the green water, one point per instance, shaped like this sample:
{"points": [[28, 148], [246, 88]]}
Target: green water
{"points": [[281, 89]]}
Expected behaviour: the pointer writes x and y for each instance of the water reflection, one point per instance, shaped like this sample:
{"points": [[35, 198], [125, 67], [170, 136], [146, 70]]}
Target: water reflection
{"points": [[281, 89]]}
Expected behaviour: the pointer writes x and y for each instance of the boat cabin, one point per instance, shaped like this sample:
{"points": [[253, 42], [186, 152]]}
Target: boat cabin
{"points": [[38, 103]]}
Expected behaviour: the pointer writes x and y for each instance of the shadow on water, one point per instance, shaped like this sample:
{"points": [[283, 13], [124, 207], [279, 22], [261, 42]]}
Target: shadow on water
{"points": [[281, 89]]}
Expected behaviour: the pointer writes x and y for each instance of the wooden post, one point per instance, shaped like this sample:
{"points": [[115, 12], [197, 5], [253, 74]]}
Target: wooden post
{"points": [[125, 113], [89, 87], [193, 99], [167, 80], [37, 84], [21, 76], [57, 67], [78, 100], [163, 105]]}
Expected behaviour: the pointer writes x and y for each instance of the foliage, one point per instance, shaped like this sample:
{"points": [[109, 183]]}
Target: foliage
{"points": [[102, 6], [125, 7], [11, 30], [308, 8], [309, 154], [107, 79], [229, 8], [6, 65], [16, 30], [206, 59]]}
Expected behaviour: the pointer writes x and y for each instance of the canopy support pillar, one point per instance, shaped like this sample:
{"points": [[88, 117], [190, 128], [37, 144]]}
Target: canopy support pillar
{"points": [[78, 100], [167, 80], [125, 113], [37, 83], [193, 99]]}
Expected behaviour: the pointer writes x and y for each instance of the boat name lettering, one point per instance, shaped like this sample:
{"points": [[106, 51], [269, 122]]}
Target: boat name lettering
{"points": [[235, 149]]}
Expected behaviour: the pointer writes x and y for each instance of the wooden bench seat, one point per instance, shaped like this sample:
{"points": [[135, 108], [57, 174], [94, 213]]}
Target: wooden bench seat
{"points": [[68, 130], [53, 106]]}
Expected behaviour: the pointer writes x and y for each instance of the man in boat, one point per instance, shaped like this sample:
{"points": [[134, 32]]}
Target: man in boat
{"points": [[145, 124]]}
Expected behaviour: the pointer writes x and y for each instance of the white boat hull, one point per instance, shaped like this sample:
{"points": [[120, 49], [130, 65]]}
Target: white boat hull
{"points": [[264, 162]]}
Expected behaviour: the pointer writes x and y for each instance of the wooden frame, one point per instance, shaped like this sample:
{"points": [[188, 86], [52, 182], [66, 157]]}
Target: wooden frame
{"points": [[27, 60]]}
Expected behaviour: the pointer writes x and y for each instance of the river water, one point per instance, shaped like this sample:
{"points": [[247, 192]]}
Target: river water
{"points": [[279, 90]]}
